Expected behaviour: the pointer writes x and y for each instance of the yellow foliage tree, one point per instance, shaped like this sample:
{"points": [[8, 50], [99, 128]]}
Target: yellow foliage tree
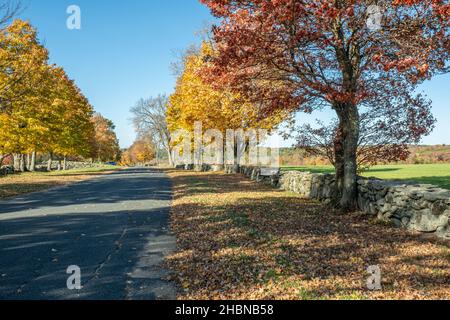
{"points": [[142, 151], [41, 109], [104, 142], [23, 62], [220, 109]]}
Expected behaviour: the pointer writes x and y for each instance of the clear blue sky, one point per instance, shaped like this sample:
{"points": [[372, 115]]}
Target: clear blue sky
{"points": [[124, 50]]}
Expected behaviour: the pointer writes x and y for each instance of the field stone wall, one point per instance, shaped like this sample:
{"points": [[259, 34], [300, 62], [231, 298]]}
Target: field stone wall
{"points": [[42, 167], [5, 170], [70, 165], [417, 207]]}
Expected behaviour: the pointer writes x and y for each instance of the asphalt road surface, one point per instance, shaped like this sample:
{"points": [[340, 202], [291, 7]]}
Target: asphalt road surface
{"points": [[113, 227]]}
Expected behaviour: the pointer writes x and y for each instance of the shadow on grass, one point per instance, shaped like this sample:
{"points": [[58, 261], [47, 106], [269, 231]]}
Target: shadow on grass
{"points": [[75, 173], [442, 182], [12, 190], [30, 182], [235, 247], [372, 170]]}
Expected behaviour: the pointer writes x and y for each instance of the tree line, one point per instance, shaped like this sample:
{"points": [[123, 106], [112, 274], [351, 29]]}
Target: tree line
{"points": [[42, 111]]}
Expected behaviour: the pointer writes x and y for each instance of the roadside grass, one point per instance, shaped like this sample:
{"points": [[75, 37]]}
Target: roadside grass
{"points": [[17, 184], [241, 240], [435, 174]]}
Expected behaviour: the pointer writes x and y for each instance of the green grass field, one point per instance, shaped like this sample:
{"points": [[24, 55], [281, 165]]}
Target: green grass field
{"points": [[436, 174]]}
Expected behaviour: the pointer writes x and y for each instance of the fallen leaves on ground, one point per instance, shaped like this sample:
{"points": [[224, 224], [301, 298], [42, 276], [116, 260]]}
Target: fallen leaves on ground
{"points": [[242, 240]]}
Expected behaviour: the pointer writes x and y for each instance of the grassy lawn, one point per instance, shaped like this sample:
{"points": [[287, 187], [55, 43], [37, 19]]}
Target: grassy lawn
{"points": [[436, 174], [17, 184], [241, 240]]}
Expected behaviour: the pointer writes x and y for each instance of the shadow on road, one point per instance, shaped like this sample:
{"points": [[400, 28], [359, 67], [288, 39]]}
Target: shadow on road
{"points": [[127, 185], [115, 228]]}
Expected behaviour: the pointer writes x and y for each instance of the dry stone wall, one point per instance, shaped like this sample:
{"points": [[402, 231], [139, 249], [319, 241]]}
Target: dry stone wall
{"points": [[422, 208]]}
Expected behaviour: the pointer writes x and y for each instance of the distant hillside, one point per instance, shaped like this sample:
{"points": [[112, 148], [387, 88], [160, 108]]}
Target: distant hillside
{"points": [[419, 155]]}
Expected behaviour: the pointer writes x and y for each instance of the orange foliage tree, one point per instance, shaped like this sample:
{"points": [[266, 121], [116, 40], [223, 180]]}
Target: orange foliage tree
{"points": [[343, 55]]}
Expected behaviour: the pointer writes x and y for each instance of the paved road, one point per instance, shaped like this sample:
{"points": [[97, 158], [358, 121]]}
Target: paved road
{"points": [[114, 227]]}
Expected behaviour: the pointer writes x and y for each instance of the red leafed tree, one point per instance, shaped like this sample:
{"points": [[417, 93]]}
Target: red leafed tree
{"points": [[302, 55], [385, 132]]}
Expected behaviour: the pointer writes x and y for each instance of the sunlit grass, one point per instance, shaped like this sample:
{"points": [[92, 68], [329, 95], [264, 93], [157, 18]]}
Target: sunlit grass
{"points": [[81, 171], [17, 184]]}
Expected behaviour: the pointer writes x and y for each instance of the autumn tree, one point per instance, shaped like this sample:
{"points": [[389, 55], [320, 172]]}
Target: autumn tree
{"points": [[149, 119], [41, 109], [386, 132], [195, 100], [141, 152], [104, 143], [23, 70], [8, 10], [74, 127], [337, 54]]}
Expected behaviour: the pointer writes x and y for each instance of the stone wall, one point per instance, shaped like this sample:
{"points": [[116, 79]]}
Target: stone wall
{"points": [[42, 167], [5, 170], [70, 165], [422, 208]]}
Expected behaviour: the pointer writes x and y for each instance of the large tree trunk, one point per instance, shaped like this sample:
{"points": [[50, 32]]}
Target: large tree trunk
{"points": [[2, 157], [339, 165], [33, 161], [350, 125], [169, 152], [49, 163], [16, 161], [65, 163], [28, 156], [22, 163]]}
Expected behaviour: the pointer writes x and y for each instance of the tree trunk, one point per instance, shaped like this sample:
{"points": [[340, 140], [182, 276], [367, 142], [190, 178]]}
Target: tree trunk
{"points": [[350, 125], [236, 156], [169, 152], [16, 161], [49, 163], [28, 156], [339, 164], [22, 163], [65, 163], [33, 161]]}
